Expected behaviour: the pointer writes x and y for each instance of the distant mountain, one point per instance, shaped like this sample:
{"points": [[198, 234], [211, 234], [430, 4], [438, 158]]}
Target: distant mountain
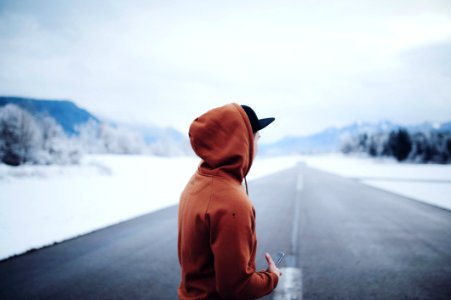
{"points": [[329, 140], [429, 126], [65, 112], [167, 139], [150, 133], [445, 126], [160, 141]]}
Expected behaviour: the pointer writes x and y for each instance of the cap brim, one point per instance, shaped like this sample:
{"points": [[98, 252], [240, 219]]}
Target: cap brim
{"points": [[265, 122]]}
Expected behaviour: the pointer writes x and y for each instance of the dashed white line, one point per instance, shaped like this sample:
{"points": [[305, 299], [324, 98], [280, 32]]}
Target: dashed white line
{"points": [[290, 285]]}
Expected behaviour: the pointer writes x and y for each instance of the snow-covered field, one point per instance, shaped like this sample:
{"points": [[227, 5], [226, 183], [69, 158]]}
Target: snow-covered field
{"points": [[40, 205]]}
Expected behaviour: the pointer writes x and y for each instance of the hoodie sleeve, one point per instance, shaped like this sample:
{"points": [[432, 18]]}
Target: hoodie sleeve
{"points": [[232, 243]]}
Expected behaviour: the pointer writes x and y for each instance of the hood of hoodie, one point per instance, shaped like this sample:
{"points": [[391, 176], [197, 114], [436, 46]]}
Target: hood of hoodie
{"points": [[223, 139]]}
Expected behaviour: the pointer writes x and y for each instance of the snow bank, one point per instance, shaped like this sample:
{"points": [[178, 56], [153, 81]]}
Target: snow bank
{"points": [[57, 203], [428, 183]]}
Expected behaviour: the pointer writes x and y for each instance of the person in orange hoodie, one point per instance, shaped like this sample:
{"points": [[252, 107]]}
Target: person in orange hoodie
{"points": [[216, 220]]}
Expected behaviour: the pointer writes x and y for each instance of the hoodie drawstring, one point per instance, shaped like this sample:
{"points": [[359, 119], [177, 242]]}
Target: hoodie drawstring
{"points": [[245, 181]]}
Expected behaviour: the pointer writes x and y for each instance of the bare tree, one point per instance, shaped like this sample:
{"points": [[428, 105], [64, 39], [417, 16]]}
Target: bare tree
{"points": [[20, 136], [56, 145]]}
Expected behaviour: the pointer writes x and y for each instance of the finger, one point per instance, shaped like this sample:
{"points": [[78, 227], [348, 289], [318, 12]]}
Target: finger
{"points": [[269, 259]]}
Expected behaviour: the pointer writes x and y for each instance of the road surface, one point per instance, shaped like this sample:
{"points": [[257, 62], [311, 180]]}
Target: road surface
{"points": [[349, 241]]}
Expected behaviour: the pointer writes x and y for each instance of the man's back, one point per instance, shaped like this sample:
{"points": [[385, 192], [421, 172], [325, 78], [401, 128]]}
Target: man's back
{"points": [[208, 204], [195, 256], [217, 239]]}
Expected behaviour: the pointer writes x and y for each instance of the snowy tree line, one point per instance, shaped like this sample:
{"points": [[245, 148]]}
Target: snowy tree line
{"points": [[433, 146], [25, 139], [28, 139]]}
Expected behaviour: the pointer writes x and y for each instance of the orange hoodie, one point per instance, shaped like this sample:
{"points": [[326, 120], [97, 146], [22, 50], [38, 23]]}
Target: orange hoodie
{"points": [[216, 222]]}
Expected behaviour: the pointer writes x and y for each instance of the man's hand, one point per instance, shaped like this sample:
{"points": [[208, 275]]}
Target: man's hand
{"points": [[272, 268]]}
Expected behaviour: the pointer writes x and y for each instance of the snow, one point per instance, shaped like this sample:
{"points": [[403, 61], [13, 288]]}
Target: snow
{"points": [[429, 183], [438, 194], [69, 201], [40, 205]]}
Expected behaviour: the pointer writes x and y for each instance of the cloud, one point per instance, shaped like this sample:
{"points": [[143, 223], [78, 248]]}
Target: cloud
{"points": [[433, 59], [310, 64]]}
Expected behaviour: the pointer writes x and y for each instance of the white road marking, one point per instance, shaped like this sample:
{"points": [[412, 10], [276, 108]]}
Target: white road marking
{"points": [[297, 212], [300, 183], [300, 180], [290, 285]]}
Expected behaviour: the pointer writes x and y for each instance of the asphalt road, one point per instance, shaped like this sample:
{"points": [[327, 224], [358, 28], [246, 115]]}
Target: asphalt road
{"points": [[353, 242]]}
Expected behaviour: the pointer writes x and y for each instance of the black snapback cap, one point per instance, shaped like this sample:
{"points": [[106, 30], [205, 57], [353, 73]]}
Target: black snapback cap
{"points": [[256, 123]]}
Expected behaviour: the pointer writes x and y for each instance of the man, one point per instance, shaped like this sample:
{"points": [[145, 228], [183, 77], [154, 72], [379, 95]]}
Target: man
{"points": [[216, 222]]}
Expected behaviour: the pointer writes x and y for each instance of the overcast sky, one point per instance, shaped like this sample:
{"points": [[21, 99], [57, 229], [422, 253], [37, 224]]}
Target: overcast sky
{"points": [[311, 64]]}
